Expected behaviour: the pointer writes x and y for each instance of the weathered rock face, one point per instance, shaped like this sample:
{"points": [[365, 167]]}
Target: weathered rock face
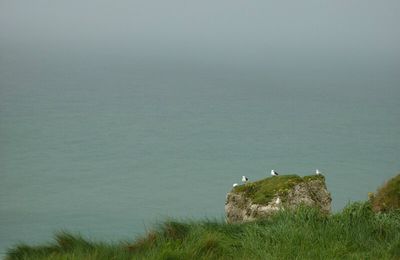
{"points": [[238, 208], [239, 205]]}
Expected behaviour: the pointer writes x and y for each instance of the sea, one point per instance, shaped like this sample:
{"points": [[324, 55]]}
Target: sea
{"points": [[108, 145]]}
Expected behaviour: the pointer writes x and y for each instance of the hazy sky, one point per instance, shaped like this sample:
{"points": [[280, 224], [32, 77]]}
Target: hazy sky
{"points": [[201, 28]]}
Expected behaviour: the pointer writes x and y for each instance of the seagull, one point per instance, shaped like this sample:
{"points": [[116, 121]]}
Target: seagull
{"points": [[278, 201], [235, 184], [244, 179], [317, 172], [274, 173]]}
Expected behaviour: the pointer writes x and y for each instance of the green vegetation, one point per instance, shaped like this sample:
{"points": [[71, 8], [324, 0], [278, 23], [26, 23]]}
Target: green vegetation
{"points": [[263, 191], [358, 232], [355, 233], [388, 196]]}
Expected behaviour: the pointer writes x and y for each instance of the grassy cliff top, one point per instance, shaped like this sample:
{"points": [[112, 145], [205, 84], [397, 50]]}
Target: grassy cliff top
{"points": [[263, 191], [354, 233], [388, 196]]}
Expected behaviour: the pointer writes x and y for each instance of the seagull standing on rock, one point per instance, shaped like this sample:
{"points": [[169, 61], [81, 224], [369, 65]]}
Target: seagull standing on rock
{"points": [[235, 184], [244, 179], [317, 172], [274, 173]]}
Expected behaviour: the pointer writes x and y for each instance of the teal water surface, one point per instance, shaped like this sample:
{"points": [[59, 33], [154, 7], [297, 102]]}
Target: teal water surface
{"points": [[109, 146]]}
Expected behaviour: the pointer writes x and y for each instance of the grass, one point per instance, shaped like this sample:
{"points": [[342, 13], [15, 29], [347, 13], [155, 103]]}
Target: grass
{"points": [[263, 191], [355, 233], [388, 196]]}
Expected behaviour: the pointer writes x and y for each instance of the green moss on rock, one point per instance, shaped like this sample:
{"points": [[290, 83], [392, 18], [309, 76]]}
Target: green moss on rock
{"points": [[314, 178], [263, 191]]}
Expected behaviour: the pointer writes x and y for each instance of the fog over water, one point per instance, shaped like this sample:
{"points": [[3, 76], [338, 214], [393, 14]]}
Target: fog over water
{"points": [[115, 115]]}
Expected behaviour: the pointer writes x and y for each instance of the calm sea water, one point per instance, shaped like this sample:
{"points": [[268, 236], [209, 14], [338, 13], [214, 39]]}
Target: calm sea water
{"points": [[108, 147]]}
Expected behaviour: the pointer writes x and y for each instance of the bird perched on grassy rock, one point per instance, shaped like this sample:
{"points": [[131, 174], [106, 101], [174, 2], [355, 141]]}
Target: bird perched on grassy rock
{"points": [[274, 173]]}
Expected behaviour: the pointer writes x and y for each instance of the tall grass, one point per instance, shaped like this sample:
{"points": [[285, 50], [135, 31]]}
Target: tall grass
{"points": [[355, 233]]}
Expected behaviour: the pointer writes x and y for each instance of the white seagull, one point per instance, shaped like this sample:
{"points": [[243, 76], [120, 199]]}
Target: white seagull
{"points": [[278, 201], [244, 179], [235, 184], [317, 172], [274, 173]]}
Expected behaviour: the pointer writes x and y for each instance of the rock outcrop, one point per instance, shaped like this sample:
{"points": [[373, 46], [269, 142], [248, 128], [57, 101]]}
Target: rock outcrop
{"points": [[263, 198]]}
